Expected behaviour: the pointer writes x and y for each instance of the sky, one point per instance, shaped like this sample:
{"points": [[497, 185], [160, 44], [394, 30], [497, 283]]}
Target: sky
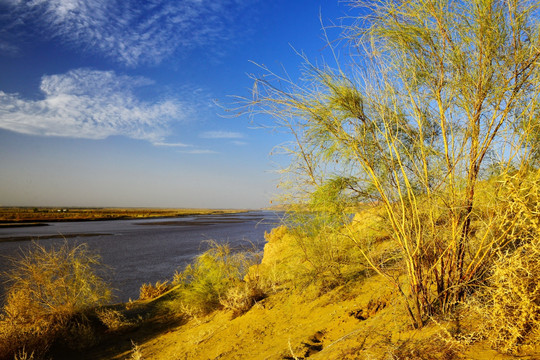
{"points": [[122, 103]]}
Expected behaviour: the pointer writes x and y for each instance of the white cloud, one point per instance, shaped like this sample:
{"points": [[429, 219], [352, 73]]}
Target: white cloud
{"points": [[89, 104], [239, 143], [9, 2], [221, 135], [134, 32], [165, 144], [199, 151]]}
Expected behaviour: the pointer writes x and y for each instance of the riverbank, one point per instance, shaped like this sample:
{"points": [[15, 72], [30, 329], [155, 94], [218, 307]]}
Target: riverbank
{"points": [[313, 297], [361, 317], [36, 216]]}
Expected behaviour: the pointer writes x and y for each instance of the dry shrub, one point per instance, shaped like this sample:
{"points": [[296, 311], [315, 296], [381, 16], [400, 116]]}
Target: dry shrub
{"points": [[511, 303], [149, 291], [113, 319], [242, 297], [308, 252], [23, 355], [136, 353], [48, 292], [519, 211]]}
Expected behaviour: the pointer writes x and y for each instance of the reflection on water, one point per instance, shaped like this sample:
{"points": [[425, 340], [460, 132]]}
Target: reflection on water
{"points": [[137, 254]]}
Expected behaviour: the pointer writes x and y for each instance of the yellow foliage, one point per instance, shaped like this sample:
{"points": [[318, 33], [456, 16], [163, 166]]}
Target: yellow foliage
{"points": [[149, 291], [511, 302]]}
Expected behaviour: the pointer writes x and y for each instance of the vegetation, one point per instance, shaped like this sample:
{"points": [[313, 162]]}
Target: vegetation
{"points": [[440, 97], [215, 279], [149, 291], [49, 295], [414, 164]]}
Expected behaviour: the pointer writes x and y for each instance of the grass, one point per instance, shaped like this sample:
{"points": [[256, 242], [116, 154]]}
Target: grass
{"points": [[50, 292]]}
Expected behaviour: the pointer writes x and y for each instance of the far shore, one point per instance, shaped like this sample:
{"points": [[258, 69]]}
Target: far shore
{"points": [[34, 216]]}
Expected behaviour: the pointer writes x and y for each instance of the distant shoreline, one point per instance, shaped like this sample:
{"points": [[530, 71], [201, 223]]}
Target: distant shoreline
{"points": [[28, 216]]}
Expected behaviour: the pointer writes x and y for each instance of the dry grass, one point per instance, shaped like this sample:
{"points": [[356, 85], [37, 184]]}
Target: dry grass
{"points": [[23, 355], [136, 353], [49, 291], [113, 319], [510, 304], [149, 291], [242, 297]]}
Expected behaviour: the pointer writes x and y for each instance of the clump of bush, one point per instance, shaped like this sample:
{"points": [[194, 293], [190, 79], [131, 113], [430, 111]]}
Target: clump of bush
{"points": [[215, 279], [49, 292], [149, 291], [113, 319], [510, 304], [241, 297]]}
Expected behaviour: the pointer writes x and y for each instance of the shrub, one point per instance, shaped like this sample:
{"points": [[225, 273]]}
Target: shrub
{"points": [[205, 282], [149, 291], [113, 319], [242, 297], [48, 290], [511, 302]]}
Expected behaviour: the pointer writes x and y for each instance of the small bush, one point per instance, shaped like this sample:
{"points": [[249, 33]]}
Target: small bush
{"points": [[47, 290], [112, 319], [208, 280], [242, 297], [149, 291], [511, 302]]}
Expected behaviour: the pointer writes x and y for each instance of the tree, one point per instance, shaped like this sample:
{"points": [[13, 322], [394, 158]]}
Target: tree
{"points": [[437, 93]]}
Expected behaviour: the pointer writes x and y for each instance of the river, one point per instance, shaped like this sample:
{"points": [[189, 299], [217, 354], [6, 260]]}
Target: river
{"points": [[145, 250]]}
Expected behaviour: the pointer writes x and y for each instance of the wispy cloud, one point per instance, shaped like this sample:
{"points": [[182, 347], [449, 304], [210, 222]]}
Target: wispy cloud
{"points": [[130, 31], [221, 135], [89, 104], [199, 152], [8, 48], [165, 144], [239, 143]]}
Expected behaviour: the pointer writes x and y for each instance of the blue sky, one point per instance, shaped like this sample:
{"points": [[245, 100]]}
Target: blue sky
{"points": [[113, 103]]}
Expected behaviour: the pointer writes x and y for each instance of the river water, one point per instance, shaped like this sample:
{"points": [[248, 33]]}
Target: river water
{"points": [[147, 250]]}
